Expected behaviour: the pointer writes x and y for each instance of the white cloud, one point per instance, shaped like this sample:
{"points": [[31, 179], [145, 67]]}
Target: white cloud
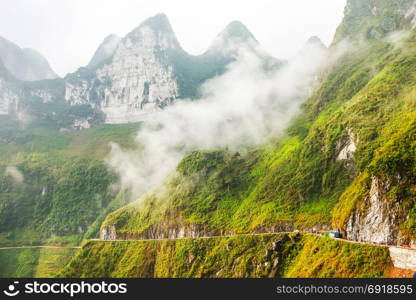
{"points": [[237, 110], [15, 174]]}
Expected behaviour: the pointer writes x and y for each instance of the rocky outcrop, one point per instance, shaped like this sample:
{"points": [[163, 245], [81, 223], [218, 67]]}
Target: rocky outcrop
{"points": [[168, 230], [29, 101], [379, 220], [139, 78], [105, 51], [160, 231], [78, 124], [108, 233], [283, 226], [403, 258], [348, 147]]}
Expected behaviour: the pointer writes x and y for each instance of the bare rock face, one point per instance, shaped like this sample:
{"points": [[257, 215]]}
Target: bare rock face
{"points": [[411, 15], [378, 222], [141, 75], [108, 233], [138, 79], [348, 147], [9, 100], [175, 229], [17, 98], [403, 258], [159, 231]]}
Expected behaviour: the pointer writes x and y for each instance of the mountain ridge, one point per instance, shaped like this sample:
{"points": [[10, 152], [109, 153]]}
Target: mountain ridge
{"points": [[149, 70], [25, 64], [104, 51], [132, 77]]}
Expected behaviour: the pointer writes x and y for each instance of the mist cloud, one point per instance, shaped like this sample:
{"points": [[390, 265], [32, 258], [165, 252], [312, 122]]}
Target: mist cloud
{"points": [[15, 174], [237, 111]]}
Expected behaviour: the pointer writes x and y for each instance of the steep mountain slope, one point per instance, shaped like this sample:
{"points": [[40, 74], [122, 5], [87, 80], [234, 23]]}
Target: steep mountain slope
{"points": [[148, 70], [104, 51], [33, 262], [347, 162], [56, 187], [274, 255], [25, 64], [30, 103]]}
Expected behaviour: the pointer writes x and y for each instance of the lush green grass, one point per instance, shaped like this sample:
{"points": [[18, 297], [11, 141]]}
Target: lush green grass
{"points": [[52, 261], [32, 262], [59, 196], [240, 256], [325, 257], [18, 262], [66, 193], [91, 143], [66, 185]]}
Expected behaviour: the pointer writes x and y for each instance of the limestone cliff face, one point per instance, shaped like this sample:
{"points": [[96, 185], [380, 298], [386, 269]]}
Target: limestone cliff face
{"points": [[138, 78], [348, 147], [108, 233], [174, 229], [159, 232], [141, 75], [380, 218], [29, 101], [9, 100]]}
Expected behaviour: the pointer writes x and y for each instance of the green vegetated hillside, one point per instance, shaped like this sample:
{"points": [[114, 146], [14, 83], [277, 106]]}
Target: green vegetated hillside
{"points": [[275, 255], [33, 262], [351, 150], [55, 189], [356, 134]]}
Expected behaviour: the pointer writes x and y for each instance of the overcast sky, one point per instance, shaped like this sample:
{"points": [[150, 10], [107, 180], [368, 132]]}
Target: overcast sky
{"points": [[67, 32]]}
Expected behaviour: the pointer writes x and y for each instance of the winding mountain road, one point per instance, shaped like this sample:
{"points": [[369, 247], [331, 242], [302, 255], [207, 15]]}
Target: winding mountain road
{"points": [[320, 233], [33, 247], [210, 237], [403, 258]]}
